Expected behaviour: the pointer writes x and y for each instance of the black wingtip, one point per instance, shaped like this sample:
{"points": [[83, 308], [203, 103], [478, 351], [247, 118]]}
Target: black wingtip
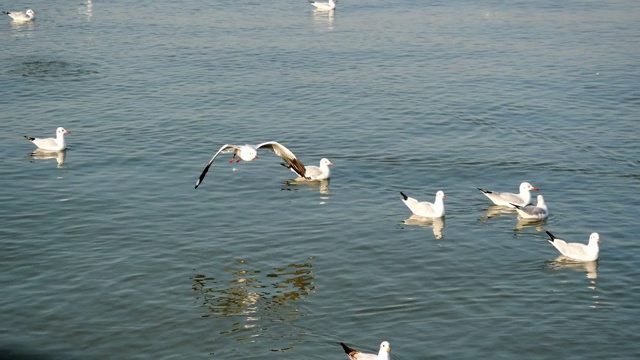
{"points": [[405, 197], [484, 191], [516, 206], [551, 236], [286, 165], [347, 349], [29, 138]]}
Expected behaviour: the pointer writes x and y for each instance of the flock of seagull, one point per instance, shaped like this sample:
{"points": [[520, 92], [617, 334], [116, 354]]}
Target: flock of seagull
{"points": [[422, 209]]}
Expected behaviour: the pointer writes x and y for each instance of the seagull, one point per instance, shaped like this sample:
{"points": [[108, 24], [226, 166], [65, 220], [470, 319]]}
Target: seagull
{"points": [[509, 199], [577, 251], [354, 354], [538, 211], [20, 16], [249, 152], [313, 173], [425, 208], [326, 6], [51, 144]]}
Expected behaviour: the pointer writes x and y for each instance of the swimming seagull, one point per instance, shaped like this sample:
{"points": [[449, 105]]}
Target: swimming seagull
{"points": [[354, 354], [509, 199], [313, 173], [577, 251], [538, 211], [425, 208], [249, 152], [326, 6], [51, 144], [21, 16]]}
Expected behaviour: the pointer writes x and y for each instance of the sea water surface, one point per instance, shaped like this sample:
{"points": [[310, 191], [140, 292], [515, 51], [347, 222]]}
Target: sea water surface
{"points": [[108, 252]]}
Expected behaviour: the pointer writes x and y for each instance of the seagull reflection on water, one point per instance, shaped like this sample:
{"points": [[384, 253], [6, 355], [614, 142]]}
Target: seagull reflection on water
{"points": [[590, 268], [494, 211], [437, 224], [40, 154], [261, 298], [321, 185], [538, 224], [324, 17]]}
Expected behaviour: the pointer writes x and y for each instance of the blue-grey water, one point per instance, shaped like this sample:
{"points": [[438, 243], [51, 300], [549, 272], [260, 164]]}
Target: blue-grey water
{"points": [[108, 252]]}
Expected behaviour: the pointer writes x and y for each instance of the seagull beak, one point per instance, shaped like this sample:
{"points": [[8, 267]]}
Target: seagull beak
{"points": [[599, 240], [535, 188], [330, 163], [389, 349], [68, 132]]}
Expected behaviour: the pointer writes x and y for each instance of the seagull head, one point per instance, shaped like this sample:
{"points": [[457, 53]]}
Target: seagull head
{"points": [[61, 131], [325, 162]]}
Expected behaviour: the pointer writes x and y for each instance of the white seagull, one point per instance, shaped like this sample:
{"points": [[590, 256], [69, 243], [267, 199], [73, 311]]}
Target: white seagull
{"points": [[425, 208], [313, 173], [509, 199], [577, 251], [249, 152], [354, 354], [20, 16], [51, 144], [326, 6], [538, 211]]}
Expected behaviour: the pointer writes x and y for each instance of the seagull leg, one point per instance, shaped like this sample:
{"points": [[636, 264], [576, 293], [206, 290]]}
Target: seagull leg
{"points": [[238, 160], [232, 158]]}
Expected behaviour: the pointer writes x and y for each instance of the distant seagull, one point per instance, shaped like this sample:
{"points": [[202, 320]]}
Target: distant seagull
{"points": [[577, 251], [326, 6], [249, 152], [425, 208], [538, 211], [20, 16], [313, 173], [51, 144], [509, 199], [354, 354]]}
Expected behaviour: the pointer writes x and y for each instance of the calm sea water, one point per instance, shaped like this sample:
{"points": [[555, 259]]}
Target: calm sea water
{"points": [[109, 252]]}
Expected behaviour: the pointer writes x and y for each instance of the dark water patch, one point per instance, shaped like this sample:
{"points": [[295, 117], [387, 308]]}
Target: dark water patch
{"points": [[56, 70]]}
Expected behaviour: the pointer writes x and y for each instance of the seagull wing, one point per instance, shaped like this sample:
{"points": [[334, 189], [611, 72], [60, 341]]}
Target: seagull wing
{"points": [[285, 154], [224, 148]]}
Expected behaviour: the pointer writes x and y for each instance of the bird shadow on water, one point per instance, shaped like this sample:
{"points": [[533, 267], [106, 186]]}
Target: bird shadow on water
{"points": [[437, 224], [260, 304]]}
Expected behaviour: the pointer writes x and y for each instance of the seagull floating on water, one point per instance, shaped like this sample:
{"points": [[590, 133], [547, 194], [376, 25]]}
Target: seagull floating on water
{"points": [[51, 144], [538, 211], [326, 6], [578, 251], [313, 173], [354, 354], [20, 16], [509, 199], [425, 208], [249, 152]]}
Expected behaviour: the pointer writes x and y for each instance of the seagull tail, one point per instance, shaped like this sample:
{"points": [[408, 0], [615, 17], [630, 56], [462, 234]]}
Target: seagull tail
{"points": [[551, 236]]}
